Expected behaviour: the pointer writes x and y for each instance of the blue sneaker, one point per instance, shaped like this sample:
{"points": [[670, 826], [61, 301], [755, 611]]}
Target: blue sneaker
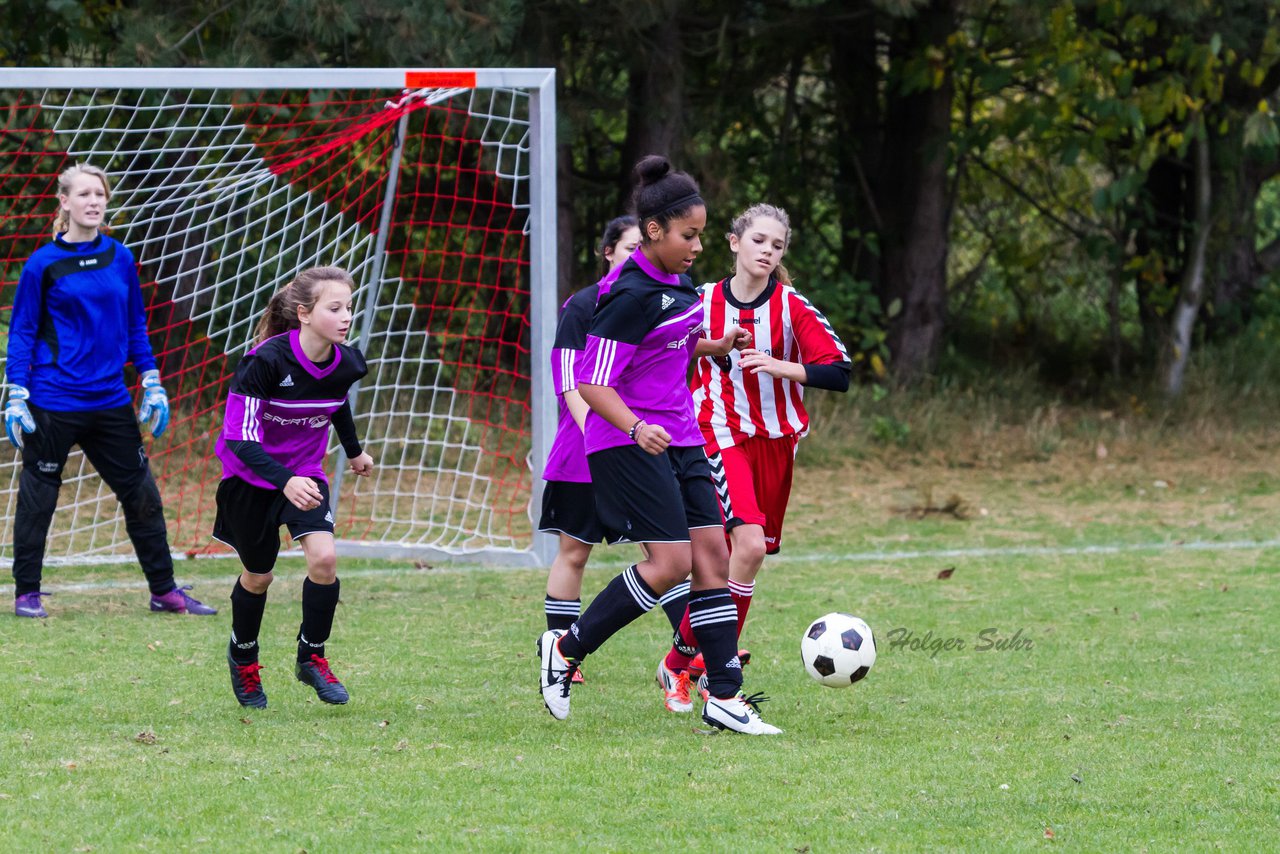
{"points": [[176, 601], [28, 605], [317, 674]]}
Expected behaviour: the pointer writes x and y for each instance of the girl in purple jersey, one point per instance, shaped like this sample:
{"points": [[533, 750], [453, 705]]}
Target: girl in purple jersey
{"points": [[568, 503], [283, 397], [645, 453]]}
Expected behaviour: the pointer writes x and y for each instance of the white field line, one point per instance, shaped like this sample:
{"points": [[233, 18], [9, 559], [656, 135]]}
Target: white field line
{"points": [[849, 557]]}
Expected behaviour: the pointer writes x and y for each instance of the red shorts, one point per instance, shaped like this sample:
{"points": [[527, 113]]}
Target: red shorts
{"points": [[753, 480]]}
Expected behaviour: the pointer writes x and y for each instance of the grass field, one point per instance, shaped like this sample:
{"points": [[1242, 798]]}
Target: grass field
{"points": [[1135, 709]]}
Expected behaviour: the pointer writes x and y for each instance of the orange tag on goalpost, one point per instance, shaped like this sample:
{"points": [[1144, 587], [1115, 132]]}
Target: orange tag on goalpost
{"points": [[440, 80]]}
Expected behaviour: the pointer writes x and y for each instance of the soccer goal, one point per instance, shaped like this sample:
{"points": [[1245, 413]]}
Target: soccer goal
{"points": [[436, 188]]}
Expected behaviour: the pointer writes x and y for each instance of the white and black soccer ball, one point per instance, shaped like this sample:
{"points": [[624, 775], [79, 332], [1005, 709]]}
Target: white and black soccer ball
{"points": [[838, 649]]}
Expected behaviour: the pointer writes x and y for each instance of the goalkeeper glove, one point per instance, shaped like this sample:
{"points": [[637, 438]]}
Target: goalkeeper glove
{"points": [[155, 404], [17, 417]]}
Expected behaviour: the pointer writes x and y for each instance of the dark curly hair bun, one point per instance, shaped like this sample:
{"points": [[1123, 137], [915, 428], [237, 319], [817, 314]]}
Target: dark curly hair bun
{"points": [[652, 169], [662, 194]]}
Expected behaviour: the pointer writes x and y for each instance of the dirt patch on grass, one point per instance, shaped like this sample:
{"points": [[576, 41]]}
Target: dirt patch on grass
{"points": [[1174, 484]]}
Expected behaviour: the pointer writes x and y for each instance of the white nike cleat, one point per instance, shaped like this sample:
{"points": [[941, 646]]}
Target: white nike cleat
{"points": [[675, 689], [555, 674], [738, 714]]}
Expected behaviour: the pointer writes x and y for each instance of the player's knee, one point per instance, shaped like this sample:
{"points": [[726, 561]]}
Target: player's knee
{"points": [[256, 582], [575, 557], [671, 569], [322, 565], [749, 544], [37, 492], [142, 500]]}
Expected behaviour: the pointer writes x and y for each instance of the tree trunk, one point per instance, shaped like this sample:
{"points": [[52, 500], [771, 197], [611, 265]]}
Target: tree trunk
{"points": [[1236, 267], [655, 99], [855, 81], [1192, 288], [913, 201]]}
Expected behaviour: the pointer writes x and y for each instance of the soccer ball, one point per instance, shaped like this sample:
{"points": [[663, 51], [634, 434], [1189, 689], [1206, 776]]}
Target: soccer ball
{"points": [[838, 649]]}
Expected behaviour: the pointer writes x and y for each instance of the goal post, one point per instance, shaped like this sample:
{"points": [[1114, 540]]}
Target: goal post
{"points": [[434, 187]]}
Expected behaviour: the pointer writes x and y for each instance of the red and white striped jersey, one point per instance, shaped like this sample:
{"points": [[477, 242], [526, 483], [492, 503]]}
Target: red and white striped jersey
{"points": [[784, 324]]}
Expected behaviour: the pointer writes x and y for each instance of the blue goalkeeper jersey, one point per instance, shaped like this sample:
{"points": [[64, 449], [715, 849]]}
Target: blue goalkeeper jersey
{"points": [[77, 318]]}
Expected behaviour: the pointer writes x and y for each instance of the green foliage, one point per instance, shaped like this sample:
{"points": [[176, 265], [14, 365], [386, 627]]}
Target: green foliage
{"points": [[1069, 146]]}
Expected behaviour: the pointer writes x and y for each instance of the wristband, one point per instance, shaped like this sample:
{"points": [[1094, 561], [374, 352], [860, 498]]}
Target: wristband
{"points": [[635, 428]]}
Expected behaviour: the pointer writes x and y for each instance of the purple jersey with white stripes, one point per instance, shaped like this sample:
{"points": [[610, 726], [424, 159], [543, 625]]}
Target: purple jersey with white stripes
{"points": [[641, 342], [567, 460], [284, 401]]}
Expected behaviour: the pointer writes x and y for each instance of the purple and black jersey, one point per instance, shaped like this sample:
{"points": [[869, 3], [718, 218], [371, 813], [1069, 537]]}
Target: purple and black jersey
{"points": [[284, 402], [640, 343], [567, 460]]}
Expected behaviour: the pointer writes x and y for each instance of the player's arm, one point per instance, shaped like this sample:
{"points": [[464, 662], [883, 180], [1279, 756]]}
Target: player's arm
{"points": [[734, 338], [139, 344], [344, 424], [22, 326], [22, 338], [824, 361], [616, 332], [567, 349]]}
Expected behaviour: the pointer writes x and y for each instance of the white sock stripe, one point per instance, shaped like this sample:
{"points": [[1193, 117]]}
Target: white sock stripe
{"points": [[633, 582], [727, 614], [740, 588], [676, 592], [570, 608]]}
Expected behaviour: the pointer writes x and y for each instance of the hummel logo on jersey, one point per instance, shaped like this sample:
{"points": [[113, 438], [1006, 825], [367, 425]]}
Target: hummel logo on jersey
{"points": [[89, 262], [667, 301], [287, 382]]}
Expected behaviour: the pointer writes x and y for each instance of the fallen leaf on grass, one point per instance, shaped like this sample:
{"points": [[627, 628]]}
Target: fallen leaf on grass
{"points": [[145, 737], [947, 573], [1048, 833], [245, 721]]}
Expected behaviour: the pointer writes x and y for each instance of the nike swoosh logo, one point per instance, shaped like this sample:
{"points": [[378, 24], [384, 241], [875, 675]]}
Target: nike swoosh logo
{"points": [[30, 611], [742, 719]]}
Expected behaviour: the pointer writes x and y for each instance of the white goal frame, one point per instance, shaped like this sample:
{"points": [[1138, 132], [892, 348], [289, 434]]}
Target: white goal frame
{"points": [[539, 146]]}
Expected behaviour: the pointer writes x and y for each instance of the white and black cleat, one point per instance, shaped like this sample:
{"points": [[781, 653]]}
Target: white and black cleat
{"points": [[555, 674], [738, 714]]}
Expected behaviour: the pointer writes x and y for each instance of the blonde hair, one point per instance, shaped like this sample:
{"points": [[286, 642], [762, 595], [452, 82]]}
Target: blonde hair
{"points": [[61, 221], [743, 221], [303, 292]]}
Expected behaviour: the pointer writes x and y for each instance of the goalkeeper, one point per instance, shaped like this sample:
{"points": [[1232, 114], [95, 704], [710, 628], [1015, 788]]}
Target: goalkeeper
{"points": [[77, 318]]}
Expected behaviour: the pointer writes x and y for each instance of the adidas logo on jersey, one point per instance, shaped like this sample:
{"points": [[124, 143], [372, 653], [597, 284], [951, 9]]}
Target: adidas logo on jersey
{"points": [[328, 517], [287, 382], [667, 301]]}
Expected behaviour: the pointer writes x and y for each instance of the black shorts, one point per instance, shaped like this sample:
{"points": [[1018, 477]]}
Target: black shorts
{"points": [[643, 498], [570, 508], [249, 520]]}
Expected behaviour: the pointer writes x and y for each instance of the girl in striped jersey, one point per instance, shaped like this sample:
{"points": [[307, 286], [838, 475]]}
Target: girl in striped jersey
{"points": [[750, 403]]}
